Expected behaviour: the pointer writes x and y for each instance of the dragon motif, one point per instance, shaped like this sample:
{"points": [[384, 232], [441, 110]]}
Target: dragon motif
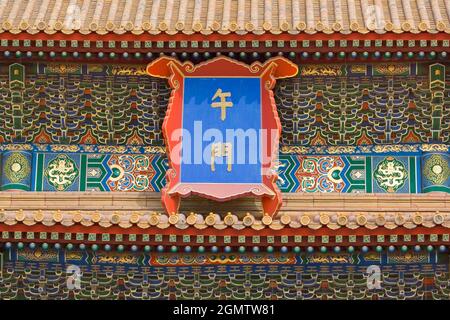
{"points": [[390, 174], [61, 172]]}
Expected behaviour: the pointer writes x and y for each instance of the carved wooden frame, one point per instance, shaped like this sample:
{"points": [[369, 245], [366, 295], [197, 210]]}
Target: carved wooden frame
{"points": [[268, 72]]}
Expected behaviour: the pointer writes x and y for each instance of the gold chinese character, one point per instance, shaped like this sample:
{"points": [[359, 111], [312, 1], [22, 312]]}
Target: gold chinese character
{"points": [[221, 150], [223, 103]]}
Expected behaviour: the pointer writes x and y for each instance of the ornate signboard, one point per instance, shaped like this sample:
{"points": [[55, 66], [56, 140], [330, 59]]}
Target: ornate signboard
{"points": [[222, 129]]}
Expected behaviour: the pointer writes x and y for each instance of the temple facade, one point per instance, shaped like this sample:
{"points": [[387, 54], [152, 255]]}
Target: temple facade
{"points": [[362, 165]]}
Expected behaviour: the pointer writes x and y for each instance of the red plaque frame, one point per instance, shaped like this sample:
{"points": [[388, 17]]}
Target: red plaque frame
{"points": [[175, 71]]}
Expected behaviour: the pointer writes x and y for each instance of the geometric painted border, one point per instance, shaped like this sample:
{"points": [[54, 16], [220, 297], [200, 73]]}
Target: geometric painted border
{"points": [[354, 175], [103, 172], [403, 149]]}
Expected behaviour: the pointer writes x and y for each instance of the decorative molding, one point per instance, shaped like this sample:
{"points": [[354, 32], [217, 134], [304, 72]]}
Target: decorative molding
{"points": [[325, 211]]}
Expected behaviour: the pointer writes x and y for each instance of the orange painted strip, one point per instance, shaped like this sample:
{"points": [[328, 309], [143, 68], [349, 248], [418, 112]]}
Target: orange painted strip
{"points": [[226, 232], [229, 37]]}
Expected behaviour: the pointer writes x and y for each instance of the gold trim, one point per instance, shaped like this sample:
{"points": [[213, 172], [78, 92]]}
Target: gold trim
{"points": [[285, 219], [191, 219]]}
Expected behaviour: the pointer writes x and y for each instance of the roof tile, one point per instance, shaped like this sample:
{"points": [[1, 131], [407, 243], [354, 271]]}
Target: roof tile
{"points": [[224, 16]]}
